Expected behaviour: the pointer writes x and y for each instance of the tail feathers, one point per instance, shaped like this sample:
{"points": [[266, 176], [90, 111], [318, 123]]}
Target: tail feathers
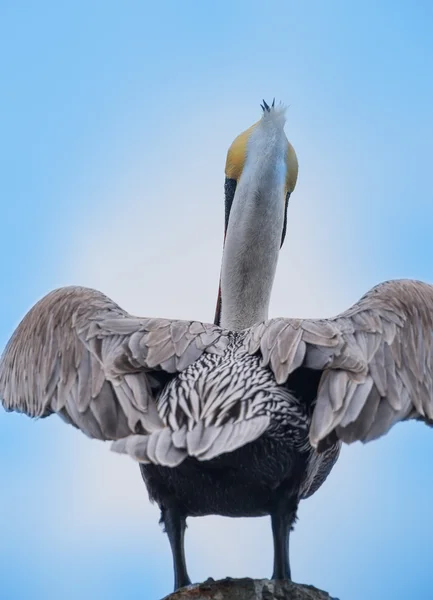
{"points": [[170, 448]]}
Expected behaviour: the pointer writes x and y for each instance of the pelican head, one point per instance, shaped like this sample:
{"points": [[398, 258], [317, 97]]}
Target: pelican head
{"points": [[244, 154], [261, 173]]}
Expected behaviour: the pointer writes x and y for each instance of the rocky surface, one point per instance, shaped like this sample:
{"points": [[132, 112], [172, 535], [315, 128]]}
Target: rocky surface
{"points": [[249, 589]]}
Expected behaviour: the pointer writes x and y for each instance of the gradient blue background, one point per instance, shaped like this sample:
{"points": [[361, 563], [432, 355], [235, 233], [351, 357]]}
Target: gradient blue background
{"points": [[115, 118]]}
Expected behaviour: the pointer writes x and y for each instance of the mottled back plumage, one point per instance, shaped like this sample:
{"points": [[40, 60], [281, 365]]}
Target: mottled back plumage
{"points": [[218, 404]]}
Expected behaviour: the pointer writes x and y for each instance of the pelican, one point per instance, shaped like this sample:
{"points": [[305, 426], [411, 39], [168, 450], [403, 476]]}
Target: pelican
{"points": [[245, 416]]}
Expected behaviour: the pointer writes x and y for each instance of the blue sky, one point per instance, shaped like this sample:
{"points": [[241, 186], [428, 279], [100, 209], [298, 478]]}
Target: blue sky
{"points": [[115, 119]]}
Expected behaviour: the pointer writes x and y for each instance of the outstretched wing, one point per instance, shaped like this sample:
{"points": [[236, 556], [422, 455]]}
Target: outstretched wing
{"points": [[377, 361], [78, 354]]}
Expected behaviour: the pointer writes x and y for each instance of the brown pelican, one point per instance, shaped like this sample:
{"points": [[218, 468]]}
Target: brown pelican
{"points": [[243, 417]]}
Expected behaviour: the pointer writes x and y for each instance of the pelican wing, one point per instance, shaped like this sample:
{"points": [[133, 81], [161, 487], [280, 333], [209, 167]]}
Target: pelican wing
{"points": [[377, 361], [78, 354]]}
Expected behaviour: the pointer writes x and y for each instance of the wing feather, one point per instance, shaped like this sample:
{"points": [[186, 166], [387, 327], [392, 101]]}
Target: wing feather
{"points": [[78, 354], [376, 358]]}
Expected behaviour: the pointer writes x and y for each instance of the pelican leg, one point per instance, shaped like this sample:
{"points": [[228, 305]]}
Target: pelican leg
{"points": [[282, 520], [175, 524]]}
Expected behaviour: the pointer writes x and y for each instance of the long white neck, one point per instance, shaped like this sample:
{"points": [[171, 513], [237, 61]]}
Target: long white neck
{"points": [[253, 236]]}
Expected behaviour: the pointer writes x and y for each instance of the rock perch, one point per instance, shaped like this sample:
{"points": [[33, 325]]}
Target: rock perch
{"points": [[249, 589]]}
